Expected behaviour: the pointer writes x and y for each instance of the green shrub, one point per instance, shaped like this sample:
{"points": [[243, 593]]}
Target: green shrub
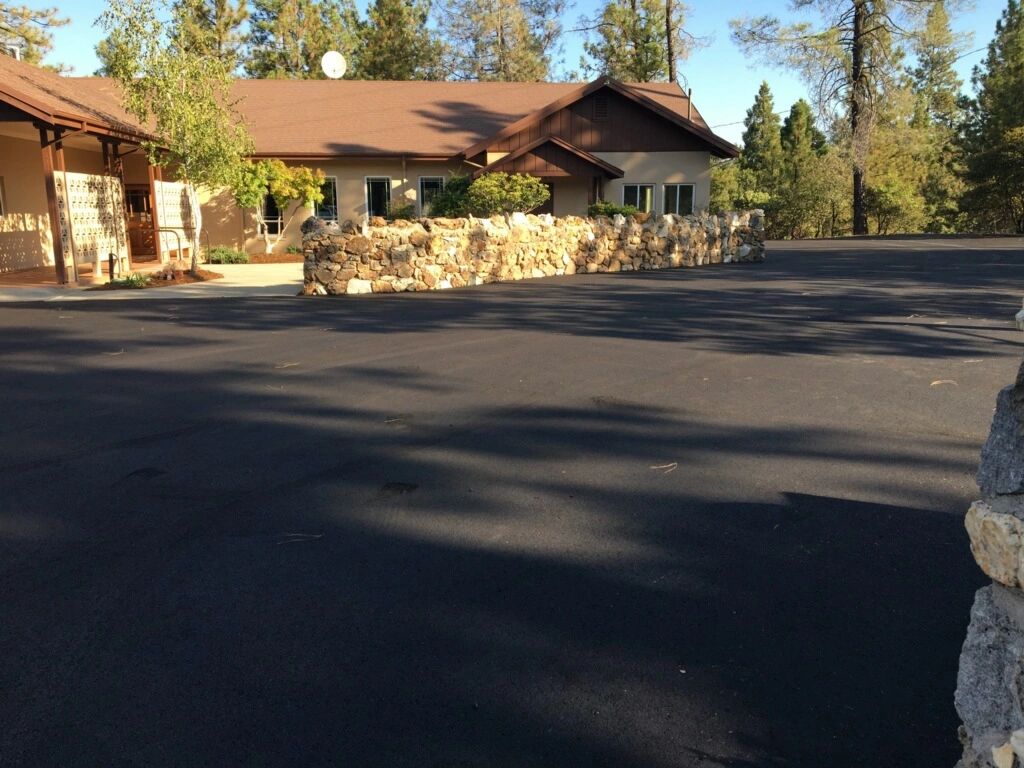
{"points": [[223, 255], [450, 202], [132, 280], [293, 249], [604, 208], [401, 210], [496, 193]]}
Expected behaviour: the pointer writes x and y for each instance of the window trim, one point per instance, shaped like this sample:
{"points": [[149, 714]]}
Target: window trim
{"points": [[654, 193], [264, 228], [419, 190], [693, 196], [366, 193], [316, 206]]}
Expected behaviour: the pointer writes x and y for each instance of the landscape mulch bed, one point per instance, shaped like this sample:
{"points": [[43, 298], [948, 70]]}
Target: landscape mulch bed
{"points": [[276, 258], [180, 278]]}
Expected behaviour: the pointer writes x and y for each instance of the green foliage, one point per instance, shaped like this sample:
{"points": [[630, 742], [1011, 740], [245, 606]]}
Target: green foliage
{"points": [[131, 280], [935, 81], [398, 25], [29, 29], [224, 255], [401, 209], [497, 193], [632, 40], [605, 208], [287, 184], [212, 27], [507, 40], [451, 200], [994, 136], [287, 38], [762, 141]]}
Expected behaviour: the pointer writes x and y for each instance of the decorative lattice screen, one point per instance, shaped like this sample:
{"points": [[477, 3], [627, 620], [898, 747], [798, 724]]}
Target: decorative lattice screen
{"points": [[92, 219], [177, 208]]}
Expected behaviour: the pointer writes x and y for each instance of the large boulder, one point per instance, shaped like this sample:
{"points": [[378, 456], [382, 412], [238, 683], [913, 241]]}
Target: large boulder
{"points": [[1002, 457]]}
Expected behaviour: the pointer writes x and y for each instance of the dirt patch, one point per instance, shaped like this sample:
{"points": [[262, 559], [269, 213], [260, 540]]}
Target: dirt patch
{"points": [[276, 258], [157, 280]]}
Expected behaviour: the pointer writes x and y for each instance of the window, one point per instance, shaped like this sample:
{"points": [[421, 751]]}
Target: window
{"points": [[327, 209], [678, 198], [429, 186], [271, 216], [600, 107], [378, 195], [640, 196]]}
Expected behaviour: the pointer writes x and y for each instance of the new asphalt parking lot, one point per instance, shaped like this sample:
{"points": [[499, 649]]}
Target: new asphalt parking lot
{"points": [[706, 517]]}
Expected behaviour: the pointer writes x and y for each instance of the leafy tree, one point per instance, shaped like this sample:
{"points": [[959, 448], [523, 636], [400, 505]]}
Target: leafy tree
{"points": [[287, 38], [254, 181], [496, 193], [393, 26], [28, 29], [214, 27], [638, 40], [994, 136], [182, 95], [849, 60], [502, 39], [762, 141]]}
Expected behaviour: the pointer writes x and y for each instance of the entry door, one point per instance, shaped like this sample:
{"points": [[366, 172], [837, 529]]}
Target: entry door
{"points": [[140, 220], [549, 206], [378, 195]]}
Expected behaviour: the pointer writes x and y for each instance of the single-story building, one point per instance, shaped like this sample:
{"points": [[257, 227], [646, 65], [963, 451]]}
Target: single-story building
{"points": [[378, 143]]}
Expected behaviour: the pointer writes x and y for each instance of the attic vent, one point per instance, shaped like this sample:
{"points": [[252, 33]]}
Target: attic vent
{"points": [[601, 107]]}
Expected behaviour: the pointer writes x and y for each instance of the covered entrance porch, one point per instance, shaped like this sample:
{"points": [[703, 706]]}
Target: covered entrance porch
{"points": [[574, 177]]}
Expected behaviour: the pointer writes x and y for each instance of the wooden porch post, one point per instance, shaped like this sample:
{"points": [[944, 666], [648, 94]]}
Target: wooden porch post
{"points": [[51, 204], [154, 176]]}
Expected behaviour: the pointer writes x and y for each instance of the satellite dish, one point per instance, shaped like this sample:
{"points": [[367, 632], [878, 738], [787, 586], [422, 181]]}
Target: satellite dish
{"points": [[333, 64]]}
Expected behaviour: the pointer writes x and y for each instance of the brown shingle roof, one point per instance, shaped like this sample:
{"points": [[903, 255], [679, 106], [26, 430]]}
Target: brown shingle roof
{"points": [[330, 117], [61, 100]]}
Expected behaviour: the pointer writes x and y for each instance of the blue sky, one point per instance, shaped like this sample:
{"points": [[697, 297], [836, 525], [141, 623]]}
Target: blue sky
{"points": [[723, 82]]}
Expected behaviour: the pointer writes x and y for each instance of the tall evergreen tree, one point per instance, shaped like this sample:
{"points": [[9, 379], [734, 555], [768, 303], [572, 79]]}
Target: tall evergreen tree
{"points": [[501, 39], [287, 38], [801, 140], [762, 141], [935, 80], [995, 128], [398, 26], [638, 40], [849, 60], [213, 27], [28, 30]]}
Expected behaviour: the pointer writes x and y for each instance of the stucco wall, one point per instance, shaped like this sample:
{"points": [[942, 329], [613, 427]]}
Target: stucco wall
{"points": [[660, 168]]}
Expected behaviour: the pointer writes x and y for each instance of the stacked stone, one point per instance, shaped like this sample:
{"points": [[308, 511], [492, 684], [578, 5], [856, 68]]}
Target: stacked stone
{"points": [[432, 254], [990, 684]]}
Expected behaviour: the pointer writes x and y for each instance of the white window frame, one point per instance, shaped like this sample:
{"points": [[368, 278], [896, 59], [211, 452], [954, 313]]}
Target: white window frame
{"points": [[419, 190], [268, 221], [316, 206], [693, 197], [366, 192], [654, 193]]}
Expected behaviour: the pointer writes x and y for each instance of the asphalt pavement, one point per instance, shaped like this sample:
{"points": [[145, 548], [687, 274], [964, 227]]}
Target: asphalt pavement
{"points": [[703, 517]]}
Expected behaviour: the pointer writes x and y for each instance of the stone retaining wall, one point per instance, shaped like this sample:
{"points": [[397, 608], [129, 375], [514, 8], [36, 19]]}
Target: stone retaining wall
{"points": [[990, 683], [451, 253]]}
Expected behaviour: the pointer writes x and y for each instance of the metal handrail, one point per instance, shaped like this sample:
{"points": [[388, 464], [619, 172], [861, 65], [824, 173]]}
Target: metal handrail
{"points": [[158, 230]]}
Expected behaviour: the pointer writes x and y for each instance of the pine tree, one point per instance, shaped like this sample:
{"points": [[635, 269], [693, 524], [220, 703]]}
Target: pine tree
{"points": [[934, 78], [762, 141], [995, 129], [801, 140], [287, 38], [849, 60], [213, 27], [502, 39], [638, 40], [28, 30], [398, 25]]}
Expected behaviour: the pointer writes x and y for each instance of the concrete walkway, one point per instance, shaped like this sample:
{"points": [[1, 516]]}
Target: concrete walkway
{"points": [[240, 280]]}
